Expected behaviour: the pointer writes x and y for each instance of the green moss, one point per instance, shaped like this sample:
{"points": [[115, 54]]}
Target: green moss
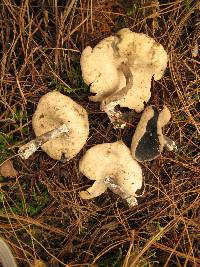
{"points": [[121, 23], [57, 86], [20, 115], [187, 5], [38, 202]]}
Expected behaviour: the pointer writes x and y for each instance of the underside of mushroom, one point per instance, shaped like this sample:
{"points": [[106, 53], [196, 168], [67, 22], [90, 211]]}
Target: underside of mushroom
{"points": [[148, 140], [120, 69], [111, 166]]}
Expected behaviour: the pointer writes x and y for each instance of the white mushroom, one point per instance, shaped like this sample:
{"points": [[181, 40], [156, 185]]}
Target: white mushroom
{"points": [[148, 140], [123, 66], [6, 256], [112, 166], [61, 126]]}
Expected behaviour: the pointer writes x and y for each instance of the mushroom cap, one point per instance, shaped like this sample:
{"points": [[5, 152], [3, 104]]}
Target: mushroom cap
{"points": [[142, 52], [148, 140], [112, 160], [146, 59], [53, 110], [101, 67]]}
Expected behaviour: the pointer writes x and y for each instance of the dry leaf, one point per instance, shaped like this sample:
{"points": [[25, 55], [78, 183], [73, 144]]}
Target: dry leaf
{"points": [[7, 169]]}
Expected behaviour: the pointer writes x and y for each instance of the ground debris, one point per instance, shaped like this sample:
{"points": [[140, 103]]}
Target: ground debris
{"points": [[7, 169]]}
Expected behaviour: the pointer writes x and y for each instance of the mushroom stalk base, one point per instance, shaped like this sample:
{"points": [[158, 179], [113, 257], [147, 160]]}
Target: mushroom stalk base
{"points": [[169, 144], [28, 149], [115, 188]]}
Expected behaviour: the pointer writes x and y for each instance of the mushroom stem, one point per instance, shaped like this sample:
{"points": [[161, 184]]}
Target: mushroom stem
{"points": [[28, 149], [108, 105], [95, 190], [115, 188], [169, 144]]}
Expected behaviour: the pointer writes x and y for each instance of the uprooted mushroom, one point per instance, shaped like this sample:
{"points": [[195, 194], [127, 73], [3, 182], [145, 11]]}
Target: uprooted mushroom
{"points": [[112, 166], [148, 140], [119, 71], [61, 126]]}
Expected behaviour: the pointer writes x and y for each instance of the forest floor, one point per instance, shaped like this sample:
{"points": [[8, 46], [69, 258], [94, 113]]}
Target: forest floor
{"points": [[41, 213]]}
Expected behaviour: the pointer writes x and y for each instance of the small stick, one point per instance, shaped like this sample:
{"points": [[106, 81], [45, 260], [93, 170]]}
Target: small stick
{"points": [[28, 149]]}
